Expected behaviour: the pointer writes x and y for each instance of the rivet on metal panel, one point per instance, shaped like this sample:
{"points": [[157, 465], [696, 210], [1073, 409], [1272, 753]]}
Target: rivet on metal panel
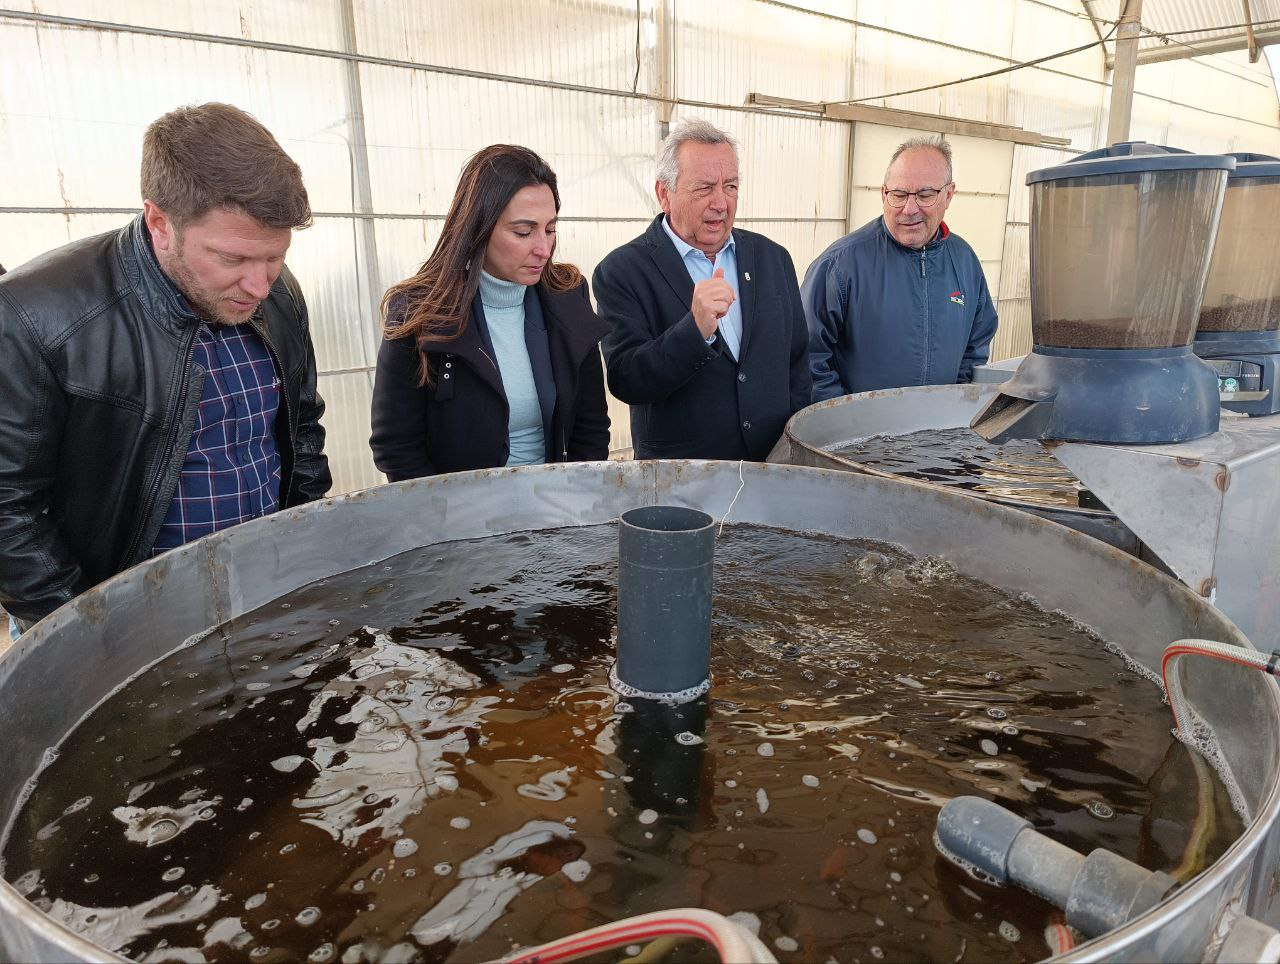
{"points": [[1187, 463], [1208, 586], [1222, 480]]}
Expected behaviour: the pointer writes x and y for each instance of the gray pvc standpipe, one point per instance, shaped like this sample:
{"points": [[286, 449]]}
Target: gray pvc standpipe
{"points": [[665, 557]]}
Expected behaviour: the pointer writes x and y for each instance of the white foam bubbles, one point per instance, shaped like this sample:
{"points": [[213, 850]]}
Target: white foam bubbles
{"points": [[307, 916]]}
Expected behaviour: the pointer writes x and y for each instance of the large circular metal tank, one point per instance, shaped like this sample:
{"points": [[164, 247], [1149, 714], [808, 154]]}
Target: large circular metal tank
{"points": [[812, 433], [68, 663]]}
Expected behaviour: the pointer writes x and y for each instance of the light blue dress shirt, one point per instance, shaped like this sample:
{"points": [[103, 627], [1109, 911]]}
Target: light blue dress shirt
{"points": [[700, 268]]}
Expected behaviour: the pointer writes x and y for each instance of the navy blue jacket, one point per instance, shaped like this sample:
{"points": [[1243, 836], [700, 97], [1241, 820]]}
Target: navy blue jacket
{"points": [[691, 400], [460, 422], [882, 315]]}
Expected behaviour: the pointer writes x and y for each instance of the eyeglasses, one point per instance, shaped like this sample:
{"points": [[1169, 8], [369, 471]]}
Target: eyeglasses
{"points": [[925, 197]]}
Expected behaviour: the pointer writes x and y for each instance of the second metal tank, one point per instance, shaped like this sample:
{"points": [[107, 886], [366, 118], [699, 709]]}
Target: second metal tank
{"points": [[813, 434]]}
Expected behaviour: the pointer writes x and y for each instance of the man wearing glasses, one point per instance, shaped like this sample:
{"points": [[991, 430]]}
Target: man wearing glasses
{"points": [[902, 300]]}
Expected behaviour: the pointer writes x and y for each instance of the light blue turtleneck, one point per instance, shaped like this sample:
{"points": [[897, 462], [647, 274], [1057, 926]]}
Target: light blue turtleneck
{"points": [[503, 303]]}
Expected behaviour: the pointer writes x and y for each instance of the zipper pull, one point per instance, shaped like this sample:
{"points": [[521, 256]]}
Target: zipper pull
{"points": [[922, 262]]}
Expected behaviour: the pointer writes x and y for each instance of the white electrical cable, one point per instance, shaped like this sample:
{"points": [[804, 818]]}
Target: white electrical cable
{"points": [[731, 941]]}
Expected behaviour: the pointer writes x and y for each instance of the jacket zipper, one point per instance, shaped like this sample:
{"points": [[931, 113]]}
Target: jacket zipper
{"points": [[169, 441], [924, 295]]}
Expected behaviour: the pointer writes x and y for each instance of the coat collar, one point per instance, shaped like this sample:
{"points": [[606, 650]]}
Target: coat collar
{"points": [[939, 236], [156, 291], [158, 295], [566, 314], [668, 261], [571, 321]]}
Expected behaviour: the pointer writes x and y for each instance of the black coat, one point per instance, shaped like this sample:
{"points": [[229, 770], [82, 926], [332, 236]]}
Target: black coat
{"points": [[689, 399], [99, 396], [460, 421]]}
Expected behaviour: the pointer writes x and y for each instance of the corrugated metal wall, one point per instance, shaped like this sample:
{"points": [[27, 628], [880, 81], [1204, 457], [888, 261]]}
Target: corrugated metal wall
{"points": [[381, 102]]}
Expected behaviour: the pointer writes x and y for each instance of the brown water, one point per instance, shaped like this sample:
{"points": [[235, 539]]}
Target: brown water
{"points": [[423, 761], [1020, 469]]}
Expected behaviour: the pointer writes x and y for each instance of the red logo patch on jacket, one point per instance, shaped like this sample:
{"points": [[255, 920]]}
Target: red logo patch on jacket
{"points": [[957, 297]]}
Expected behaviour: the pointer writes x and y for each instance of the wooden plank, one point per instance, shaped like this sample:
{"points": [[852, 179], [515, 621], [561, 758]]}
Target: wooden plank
{"points": [[914, 120]]}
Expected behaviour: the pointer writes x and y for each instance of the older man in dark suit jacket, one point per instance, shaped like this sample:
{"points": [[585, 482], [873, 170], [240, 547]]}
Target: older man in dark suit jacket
{"points": [[708, 344]]}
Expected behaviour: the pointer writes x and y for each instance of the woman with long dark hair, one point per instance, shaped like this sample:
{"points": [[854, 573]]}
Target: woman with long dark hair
{"points": [[490, 354]]}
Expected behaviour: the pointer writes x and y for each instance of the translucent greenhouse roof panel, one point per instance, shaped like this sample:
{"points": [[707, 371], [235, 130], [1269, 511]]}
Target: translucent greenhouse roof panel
{"points": [[1178, 29]]}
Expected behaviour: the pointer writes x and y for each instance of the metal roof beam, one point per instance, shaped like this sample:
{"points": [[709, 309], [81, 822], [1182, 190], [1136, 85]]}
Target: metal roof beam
{"points": [[1222, 45], [1126, 63]]}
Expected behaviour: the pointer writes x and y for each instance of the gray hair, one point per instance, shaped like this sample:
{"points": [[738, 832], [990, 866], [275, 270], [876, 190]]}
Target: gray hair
{"points": [[697, 131], [928, 142]]}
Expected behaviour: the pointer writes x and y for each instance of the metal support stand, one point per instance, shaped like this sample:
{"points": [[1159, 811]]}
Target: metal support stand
{"points": [[1122, 74], [1210, 509]]}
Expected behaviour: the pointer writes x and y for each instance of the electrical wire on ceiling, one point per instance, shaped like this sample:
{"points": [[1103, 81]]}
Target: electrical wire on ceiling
{"points": [[1167, 37], [990, 73]]}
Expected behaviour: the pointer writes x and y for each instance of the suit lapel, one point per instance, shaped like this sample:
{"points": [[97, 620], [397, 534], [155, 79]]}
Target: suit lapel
{"points": [[746, 256], [669, 265]]}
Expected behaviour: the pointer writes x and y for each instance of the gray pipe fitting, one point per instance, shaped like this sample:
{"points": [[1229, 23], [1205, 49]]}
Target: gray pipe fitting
{"points": [[665, 558], [1099, 892], [1249, 940]]}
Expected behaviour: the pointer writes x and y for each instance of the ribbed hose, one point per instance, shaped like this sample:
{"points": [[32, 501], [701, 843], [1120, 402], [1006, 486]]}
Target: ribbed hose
{"points": [[732, 942], [1204, 647]]}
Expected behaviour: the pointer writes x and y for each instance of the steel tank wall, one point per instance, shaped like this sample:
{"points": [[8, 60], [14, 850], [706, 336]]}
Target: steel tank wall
{"points": [[811, 433], [68, 663]]}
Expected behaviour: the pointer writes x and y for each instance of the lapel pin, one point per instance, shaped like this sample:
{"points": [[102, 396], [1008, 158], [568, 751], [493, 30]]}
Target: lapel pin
{"points": [[747, 275]]}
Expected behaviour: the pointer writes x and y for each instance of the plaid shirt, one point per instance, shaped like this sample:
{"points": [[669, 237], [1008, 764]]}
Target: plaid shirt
{"points": [[232, 469]]}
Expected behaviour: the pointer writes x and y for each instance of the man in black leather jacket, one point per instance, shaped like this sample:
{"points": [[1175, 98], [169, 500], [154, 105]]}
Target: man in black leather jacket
{"points": [[106, 409]]}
